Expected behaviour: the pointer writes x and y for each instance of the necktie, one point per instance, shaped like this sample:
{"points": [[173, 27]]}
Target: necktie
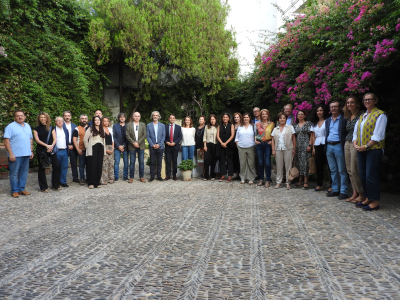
{"points": [[171, 134]]}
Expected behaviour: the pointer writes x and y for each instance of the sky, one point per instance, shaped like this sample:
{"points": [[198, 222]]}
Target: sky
{"points": [[249, 18]]}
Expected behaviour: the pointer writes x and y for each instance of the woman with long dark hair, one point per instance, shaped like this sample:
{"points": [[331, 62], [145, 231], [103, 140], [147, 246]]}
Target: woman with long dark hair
{"points": [[199, 142], [225, 148], [237, 122], [95, 142], [108, 161], [210, 147], [318, 117]]}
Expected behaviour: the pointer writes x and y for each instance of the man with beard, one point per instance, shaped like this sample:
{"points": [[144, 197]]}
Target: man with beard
{"points": [[77, 139]]}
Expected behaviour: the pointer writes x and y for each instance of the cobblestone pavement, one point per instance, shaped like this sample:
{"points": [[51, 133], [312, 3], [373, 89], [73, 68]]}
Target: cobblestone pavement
{"points": [[195, 240]]}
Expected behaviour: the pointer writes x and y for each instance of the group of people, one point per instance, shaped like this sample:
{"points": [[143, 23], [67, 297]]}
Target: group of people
{"points": [[350, 141]]}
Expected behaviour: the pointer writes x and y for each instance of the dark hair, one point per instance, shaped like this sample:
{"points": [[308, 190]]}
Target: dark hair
{"points": [[18, 111], [247, 114], [171, 115], [225, 114], [100, 131], [202, 116], [184, 122], [120, 115], [314, 117], [305, 115], [240, 118], [209, 121], [280, 115], [333, 101]]}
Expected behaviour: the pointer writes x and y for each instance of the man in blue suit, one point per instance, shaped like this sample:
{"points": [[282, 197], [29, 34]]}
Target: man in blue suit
{"points": [[156, 137], [62, 152], [72, 153], [173, 136]]}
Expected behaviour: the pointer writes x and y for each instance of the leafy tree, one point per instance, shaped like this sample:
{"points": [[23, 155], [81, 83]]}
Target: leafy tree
{"points": [[153, 36], [49, 65]]}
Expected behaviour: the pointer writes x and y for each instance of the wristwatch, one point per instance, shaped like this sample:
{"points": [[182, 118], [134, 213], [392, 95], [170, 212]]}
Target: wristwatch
{"points": [[367, 147]]}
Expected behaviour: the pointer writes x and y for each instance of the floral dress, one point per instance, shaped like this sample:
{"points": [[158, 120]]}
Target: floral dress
{"points": [[301, 158]]}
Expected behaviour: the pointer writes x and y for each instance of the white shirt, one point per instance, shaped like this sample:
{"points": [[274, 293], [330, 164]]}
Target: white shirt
{"points": [[281, 140], [136, 129], [319, 134], [245, 137], [69, 128], [379, 131], [61, 144], [188, 135]]}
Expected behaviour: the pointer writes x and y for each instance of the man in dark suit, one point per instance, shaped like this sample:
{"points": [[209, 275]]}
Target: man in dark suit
{"points": [[156, 137], [72, 153], [173, 136], [335, 138]]}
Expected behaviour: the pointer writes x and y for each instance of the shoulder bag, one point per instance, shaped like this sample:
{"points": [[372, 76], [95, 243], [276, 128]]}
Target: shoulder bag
{"points": [[293, 172]]}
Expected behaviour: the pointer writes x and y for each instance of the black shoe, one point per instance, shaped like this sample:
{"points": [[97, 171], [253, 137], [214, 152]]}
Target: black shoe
{"points": [[332, 194], [115, 179], [343, 196], [125, 179], [76, 180], [175, 178], [167, 178], [64, 185], [159, 179], [82, 182], [151, 179]]}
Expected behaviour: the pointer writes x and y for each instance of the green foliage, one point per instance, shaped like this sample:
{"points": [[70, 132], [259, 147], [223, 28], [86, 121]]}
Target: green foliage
{"points": [[186, 165], [49, 65]]}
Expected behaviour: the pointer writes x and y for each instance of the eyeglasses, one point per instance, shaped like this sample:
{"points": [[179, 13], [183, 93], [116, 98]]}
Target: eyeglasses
{"points": [[368, 100]]}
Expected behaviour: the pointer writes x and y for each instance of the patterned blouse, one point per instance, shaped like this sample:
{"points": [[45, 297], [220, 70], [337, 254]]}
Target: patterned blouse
{"points": [[350, 126]]}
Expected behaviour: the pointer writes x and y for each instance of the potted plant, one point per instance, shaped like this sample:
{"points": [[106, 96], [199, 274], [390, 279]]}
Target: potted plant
{"points": [[186, 167], [4, 171]]}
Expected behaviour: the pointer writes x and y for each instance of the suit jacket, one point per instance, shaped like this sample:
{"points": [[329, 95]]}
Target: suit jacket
{"points": [[66, 134], [177, 135], [117, 134], [73, 126], [151, 137], [342, 130], [131, 136]]}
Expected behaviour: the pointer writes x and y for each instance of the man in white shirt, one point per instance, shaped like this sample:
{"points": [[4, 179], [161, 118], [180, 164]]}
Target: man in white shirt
{"points": [[62, 152], [72, 153]]}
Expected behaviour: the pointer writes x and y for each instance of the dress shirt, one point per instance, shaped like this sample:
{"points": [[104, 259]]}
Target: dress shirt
{"points": [[319, 134], [380, 127], [188, 135], [69, 128], [136, 129], [61, 144], [255, 121], [20, 138], [281, 141], [173, 130], [210, 135], [289, 120], [155, 131], [245, 137], [334, 130]]}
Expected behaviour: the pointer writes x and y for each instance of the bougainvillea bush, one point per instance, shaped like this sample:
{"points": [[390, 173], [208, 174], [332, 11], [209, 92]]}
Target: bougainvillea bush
{"points": [[333, 49]]}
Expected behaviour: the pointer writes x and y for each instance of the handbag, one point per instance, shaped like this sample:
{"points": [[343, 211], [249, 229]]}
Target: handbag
{"points": [[293, 172], [312, 166]]}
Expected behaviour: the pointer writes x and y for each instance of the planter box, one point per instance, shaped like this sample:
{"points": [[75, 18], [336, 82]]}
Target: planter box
{"points": [[3, 155], [4, 175]]}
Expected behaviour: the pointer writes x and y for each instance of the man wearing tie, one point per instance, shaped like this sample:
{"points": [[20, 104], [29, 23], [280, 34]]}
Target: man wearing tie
{"points": [[172, 139], [156, 137], [135, 135]]}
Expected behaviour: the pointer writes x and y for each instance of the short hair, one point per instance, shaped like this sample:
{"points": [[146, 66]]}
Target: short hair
{"points": [[347, 112], [375, 97], [333, 101], [264, 110], [120, 115], [48, 120], [190, 124], [171, 115], [240, 117], [159, 115], [83, 115], [98, 110], [202, 116], [209, 121], [18, 110], [280, 115], [290, 105], [255, 108], [247, 114], [67, 112], [55, 119]]}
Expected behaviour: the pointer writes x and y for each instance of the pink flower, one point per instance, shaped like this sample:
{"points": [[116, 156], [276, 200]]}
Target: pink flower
{"points": [[366, 75]]}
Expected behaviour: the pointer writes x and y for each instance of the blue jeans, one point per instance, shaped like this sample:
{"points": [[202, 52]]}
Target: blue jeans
{"points": [[62, 156], [19, 170], [82, 163], [368, 165], [117, 158], [337, 165], [133, 161], [264, 152], [188, 152]]}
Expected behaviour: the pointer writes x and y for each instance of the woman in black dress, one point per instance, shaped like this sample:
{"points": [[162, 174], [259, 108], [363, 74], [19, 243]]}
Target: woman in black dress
{"points": [[199, 149], [237, 122], [225, 150], [41, 133]]}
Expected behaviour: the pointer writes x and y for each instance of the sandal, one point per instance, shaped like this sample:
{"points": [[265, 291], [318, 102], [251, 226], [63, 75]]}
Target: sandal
{"points": [[242, 182], [298, 185], [277, 186], [260, 183], [251, 182], [351, 199], [45, 191], [267, 184], [212, 179], [288, 186], [318, 189], [305, 187], [204, 179]]}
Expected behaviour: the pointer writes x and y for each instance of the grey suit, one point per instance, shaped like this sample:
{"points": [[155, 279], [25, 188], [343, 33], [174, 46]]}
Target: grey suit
{"points": [[132, 138]]}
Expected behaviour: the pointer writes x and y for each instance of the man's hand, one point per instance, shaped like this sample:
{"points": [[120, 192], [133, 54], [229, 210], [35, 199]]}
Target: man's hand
{"points": [[172, 144], [31, 155], [80, 152], [273, 153], [121, 148], [70, 147], [136, 145]]}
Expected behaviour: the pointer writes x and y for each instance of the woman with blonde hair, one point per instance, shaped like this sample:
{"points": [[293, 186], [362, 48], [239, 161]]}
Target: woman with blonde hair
{"points": [[263, 142], [107, 174], [45, 137], [188, 139]]}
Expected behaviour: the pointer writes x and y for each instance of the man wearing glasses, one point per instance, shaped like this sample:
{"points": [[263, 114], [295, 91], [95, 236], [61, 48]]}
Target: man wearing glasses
{"points": [[256, 114], [136, 134], [335, 138]]}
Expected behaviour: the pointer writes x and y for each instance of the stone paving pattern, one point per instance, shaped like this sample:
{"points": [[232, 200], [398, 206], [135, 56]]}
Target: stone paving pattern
{"points": [[195, 240]]}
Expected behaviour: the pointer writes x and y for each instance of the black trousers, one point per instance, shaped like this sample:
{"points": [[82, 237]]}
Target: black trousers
{"points": [[226, 156], [171, 155], [156, 158], [95, 164], [210, 159], [320, 162], [73, 158], [55, 174], [236, 162]]}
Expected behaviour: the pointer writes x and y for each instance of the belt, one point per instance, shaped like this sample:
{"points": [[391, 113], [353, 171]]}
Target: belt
{"points": [[333, 143], [59, 149]]}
